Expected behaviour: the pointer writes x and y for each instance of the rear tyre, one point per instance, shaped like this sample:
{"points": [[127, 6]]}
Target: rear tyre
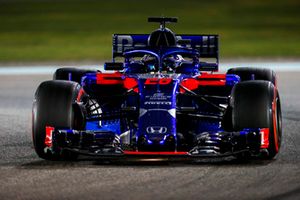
{"points": [[71, 74], [249, 73], [256, 104], [54, 106]]}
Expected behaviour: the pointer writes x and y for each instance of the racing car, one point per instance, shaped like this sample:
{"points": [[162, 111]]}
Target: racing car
{"points": [[161, 95]]}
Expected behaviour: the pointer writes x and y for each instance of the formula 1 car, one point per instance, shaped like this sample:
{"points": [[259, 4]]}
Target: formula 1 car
{"points": [[164, 100]]}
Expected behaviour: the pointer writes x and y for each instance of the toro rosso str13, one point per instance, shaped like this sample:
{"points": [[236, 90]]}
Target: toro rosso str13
{"points": [[164, 99]]}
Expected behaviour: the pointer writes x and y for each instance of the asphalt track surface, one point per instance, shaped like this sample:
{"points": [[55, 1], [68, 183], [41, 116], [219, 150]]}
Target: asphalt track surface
{"points": [[25, 176]]}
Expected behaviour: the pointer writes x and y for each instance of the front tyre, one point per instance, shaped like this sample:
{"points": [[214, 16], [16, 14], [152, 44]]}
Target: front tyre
{"points": [[256, 104], [54, 106]]}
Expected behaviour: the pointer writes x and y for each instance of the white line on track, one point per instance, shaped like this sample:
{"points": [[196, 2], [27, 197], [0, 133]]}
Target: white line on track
{"points": [[39, 70]]}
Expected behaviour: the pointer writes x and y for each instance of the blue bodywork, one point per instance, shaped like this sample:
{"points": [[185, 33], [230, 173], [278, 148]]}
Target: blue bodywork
{"points": [[158, 106]]}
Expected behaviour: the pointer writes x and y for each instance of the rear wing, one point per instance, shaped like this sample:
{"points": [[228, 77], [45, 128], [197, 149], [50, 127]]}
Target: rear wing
{"points": [[207, 45]]}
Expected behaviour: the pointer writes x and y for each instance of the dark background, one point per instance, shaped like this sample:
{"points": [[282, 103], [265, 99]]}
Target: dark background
{"points": [[80, 30]]}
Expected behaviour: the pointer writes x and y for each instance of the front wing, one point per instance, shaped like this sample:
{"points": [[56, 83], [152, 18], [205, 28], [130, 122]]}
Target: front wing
{"points": [[107, 144]]}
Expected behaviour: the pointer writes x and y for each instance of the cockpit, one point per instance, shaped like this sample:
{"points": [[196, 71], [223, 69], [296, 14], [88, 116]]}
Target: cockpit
{"points": [[167, 60]]}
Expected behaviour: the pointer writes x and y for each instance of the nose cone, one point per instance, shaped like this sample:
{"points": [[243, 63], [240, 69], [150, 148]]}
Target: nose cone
{"points": [[157, 120]]}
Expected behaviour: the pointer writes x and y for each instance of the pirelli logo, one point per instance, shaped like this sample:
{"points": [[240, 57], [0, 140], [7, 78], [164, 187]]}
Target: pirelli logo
{"points": [[158, 103]]}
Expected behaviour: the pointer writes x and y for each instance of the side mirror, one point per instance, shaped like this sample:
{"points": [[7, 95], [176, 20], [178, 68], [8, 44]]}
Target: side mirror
{"points": [[113, 66], [208, 66]]}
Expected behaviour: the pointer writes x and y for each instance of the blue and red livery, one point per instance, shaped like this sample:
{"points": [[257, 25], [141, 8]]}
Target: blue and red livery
{"points": [[164, 99]]}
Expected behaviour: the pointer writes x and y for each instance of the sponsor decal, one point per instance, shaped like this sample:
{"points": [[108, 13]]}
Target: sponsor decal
{"points": [[156, 129], [158, 103], [158, 97], [160, 81]]}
